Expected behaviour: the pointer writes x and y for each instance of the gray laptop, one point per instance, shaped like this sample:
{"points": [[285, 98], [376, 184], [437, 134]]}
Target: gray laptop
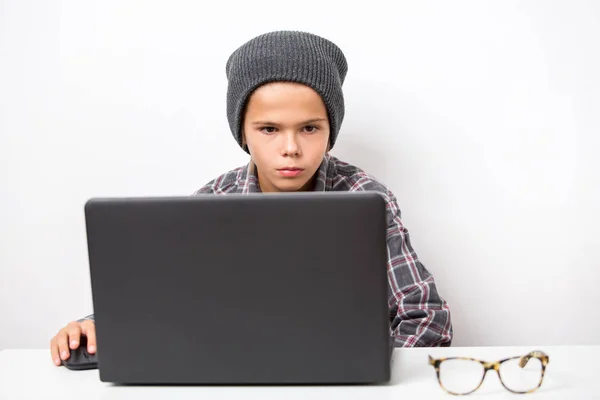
{"points": [[240, 289]]}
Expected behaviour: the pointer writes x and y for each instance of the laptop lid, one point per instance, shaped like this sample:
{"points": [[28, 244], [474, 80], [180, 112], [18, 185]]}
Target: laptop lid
{"points": [[260, 288]]}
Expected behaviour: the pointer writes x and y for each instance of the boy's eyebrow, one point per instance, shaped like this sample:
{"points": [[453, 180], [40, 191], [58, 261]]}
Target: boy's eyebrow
{"points": [[309, 121]]}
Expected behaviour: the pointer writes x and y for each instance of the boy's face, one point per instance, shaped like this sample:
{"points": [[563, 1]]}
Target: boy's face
{"points": [[287, 132]]}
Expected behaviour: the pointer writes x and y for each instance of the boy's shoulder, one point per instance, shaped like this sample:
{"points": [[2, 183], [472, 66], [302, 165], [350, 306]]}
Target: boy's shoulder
{"points": [[350, 178], [225, 183], [345, 177]]}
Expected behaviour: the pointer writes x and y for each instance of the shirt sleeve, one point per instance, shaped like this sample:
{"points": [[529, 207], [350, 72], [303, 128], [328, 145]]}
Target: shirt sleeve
{"points": [[419, 316], [87, 318]]}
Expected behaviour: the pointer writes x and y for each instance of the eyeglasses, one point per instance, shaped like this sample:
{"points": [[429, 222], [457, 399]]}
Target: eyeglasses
{"points": [[463, 375]]}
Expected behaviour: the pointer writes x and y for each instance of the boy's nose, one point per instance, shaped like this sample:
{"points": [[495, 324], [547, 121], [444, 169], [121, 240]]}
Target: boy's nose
{"points": [[290, 145]]}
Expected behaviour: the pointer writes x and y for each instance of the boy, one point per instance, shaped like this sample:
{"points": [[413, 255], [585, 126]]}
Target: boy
{"points": [[285, 107]]}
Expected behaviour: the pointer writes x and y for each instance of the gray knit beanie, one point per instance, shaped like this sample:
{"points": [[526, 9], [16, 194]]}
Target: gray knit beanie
{"points": [[288, 56]]}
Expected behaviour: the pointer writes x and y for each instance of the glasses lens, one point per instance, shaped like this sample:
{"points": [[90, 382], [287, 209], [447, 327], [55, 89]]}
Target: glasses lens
{"points": [[460, 376], [521, 379]]}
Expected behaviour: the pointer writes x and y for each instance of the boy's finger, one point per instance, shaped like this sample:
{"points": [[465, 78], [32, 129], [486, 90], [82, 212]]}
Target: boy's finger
{"points": [[63, 346], [88, 328], [74, 332], [54, 351]]}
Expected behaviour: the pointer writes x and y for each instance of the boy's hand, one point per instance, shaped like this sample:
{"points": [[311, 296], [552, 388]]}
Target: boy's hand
{"points": [[69, 338]]}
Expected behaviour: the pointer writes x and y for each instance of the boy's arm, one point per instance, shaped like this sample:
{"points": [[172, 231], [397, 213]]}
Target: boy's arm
{"points": [[419, 317]]}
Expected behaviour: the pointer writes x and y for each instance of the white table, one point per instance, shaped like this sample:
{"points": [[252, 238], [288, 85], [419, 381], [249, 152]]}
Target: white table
{"points": [[573, 373]]}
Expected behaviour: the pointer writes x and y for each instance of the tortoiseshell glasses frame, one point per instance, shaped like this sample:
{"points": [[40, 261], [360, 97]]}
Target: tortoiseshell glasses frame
{"points": [[494, 365]]}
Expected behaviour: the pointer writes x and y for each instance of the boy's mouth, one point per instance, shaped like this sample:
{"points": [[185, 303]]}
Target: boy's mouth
{"points": [[289, 172]]}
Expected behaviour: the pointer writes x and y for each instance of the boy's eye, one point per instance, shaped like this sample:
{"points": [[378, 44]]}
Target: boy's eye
{"points": [[268, 129], [310, 128]]}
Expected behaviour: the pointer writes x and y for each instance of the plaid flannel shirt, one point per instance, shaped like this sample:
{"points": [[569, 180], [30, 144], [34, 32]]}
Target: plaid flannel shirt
{"points": [[419, 316]]}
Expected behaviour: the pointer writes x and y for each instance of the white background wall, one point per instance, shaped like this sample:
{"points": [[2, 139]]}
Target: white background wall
{"points": [[482, 117]]}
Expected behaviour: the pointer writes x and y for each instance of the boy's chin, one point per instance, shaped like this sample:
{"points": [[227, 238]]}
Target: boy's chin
{"points": [[292, 185]]}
